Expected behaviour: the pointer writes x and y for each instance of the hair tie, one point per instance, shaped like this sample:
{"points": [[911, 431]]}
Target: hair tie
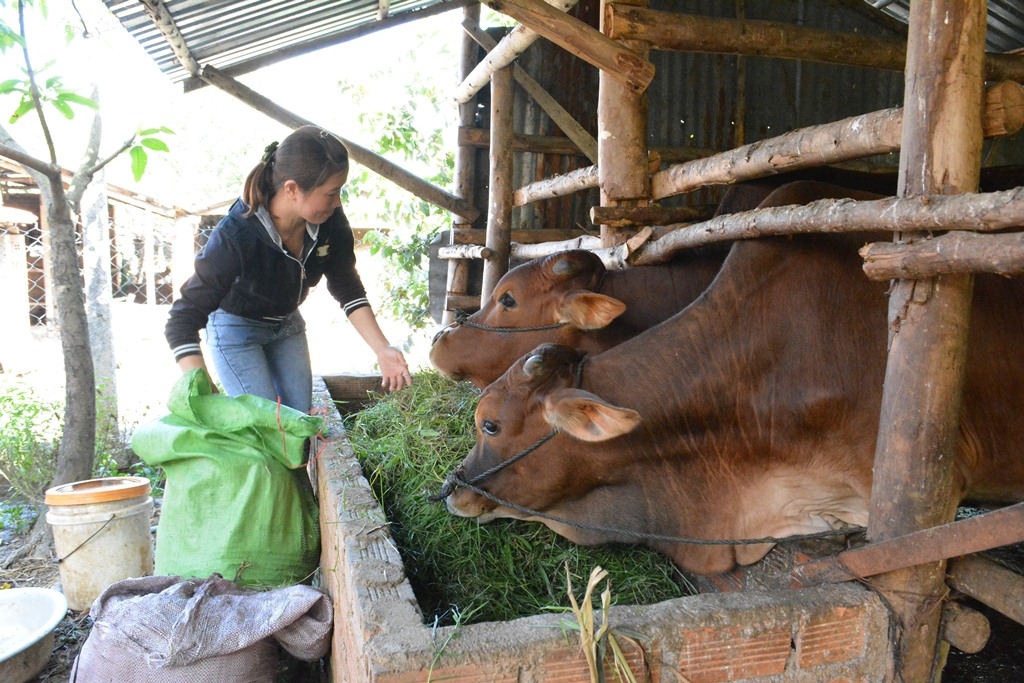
{"points": [[268, 152]]}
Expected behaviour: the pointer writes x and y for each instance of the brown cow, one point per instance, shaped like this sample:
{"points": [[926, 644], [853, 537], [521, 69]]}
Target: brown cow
{"points": [[569, 298], [580, 304], [753, 413]]}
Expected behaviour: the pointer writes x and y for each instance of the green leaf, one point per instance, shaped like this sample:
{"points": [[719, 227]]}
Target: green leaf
{"points": [[154, 131], [139, 161], [65, 96], [155, 144], [64, 108], [12, 86], [25, 107]]}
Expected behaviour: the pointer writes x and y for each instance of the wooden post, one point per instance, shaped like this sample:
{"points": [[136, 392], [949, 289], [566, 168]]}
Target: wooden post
{"points": [[457, 283], [622, 141], [499, 206], [914, 486]]}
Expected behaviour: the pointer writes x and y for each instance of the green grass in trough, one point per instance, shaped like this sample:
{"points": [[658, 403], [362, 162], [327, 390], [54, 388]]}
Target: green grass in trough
{"points": [[462, 571]]}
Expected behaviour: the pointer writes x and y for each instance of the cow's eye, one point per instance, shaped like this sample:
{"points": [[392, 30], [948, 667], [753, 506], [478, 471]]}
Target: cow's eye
{"points": [[489, 427], [507, 300]]}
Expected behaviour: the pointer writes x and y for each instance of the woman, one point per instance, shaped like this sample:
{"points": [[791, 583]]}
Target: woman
{"points": [[286, 232]]}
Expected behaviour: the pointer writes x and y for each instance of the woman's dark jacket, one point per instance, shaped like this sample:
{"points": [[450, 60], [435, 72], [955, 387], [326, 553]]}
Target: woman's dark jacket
{"points": [[242, 271]]}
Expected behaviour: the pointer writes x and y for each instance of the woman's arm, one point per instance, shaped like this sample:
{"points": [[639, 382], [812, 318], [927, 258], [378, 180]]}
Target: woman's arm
{"points": [[393, 368]]}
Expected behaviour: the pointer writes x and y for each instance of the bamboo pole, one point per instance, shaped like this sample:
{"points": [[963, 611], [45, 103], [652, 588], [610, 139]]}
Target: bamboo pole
{"points": [[955, 252], [983, 212], [499, 213], [376, 163], [622, 150], [578, 38], [691, 33], [861, 136], [914, 485], [583, 140], [504, 53]]}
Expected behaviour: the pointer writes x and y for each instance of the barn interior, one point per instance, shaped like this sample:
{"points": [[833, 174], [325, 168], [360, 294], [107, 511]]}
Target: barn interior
{"points": [[617, 127]]}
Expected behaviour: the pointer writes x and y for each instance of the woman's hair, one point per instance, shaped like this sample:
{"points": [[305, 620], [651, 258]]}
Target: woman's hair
{"points": [[309, 156]]}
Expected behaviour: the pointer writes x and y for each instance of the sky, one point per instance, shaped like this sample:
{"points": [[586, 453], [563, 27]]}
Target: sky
{"points": [[215, 133]]}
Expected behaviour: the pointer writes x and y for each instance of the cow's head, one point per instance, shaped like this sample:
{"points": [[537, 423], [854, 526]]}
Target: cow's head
{"points": [[552, 299], [530, 426]]}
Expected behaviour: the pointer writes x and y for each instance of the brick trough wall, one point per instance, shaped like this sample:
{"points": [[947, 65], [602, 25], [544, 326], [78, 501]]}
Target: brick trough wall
{"points": [[832, 633]]}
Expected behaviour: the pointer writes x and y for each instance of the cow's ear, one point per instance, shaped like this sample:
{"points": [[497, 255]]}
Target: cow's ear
{"points": [[589, 310], [587, 417], [567, 265]]}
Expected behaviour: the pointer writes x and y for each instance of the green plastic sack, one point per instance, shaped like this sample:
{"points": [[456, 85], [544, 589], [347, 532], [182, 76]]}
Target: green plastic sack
{"points": [[237, 501]]}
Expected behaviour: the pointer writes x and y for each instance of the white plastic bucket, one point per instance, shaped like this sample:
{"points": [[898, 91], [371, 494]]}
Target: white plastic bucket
{"points": [[101, 534]]}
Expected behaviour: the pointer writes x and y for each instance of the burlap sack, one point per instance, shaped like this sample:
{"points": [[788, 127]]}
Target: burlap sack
{"points": [[162, 629]]}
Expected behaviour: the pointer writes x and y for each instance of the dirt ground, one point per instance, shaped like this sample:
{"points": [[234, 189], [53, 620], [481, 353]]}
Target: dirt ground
{"points": [[145, 374]]}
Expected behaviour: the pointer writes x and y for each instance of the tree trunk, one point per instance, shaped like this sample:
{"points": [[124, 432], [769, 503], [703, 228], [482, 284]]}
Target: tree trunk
{"points": [[78, 441]]}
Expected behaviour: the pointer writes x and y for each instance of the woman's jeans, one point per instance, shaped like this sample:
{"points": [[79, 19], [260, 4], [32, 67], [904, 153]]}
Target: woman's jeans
{"points": [[262, 358]]}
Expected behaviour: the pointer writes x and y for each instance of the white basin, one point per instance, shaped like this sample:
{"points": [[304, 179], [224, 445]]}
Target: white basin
{"points": [[27, 619]]}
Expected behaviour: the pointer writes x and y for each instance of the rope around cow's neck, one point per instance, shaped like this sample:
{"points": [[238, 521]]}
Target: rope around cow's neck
{"points": [[462, 318], [645, 536]]}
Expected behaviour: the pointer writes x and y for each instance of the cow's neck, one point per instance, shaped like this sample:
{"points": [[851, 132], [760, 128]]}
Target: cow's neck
{"points": [[745, 392]]}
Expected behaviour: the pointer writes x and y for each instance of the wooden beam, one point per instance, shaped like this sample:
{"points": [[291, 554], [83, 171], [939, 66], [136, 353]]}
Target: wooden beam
{"points": [[577, 37], [562, 118], [528, 252], [521, 236], [984, 212], [631, 216], [501, 55], [861, 136], [557, 186], [1000, 588], [374, 162], [955, 252], [538, 144], [169, 29], [464, 251], [691, 33]]}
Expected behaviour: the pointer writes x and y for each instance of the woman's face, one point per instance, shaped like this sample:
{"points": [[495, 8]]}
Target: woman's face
{"points": [[318, 204]]}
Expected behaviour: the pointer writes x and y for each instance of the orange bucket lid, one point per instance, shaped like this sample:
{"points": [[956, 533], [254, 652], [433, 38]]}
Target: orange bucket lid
{"points": [[103, 490]]}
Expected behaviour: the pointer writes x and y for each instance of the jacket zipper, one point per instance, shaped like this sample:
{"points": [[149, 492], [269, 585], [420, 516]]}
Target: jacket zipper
{"points": [[302, 271]]}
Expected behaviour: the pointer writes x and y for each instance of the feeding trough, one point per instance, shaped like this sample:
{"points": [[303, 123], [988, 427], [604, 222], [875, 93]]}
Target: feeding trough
{"points": [[27, 619], [830, 632]]}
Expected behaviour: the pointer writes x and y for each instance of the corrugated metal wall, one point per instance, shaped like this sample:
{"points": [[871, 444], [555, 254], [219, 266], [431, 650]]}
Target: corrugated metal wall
{"points": [[694, 100]]}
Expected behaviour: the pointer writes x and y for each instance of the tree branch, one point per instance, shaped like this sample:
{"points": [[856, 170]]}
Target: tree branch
{"points": [[33, 87]]}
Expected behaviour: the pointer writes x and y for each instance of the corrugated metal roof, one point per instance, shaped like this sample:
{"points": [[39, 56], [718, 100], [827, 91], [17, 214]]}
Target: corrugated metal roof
{"points": [[1005, 21], [239, 36]]}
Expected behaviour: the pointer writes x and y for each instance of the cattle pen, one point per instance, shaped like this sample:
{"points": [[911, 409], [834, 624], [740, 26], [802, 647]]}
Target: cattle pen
{"points": [[645, 174]]}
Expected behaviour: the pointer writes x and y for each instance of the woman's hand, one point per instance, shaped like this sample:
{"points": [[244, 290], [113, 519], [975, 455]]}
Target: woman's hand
{"points": [[393, 369]]}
